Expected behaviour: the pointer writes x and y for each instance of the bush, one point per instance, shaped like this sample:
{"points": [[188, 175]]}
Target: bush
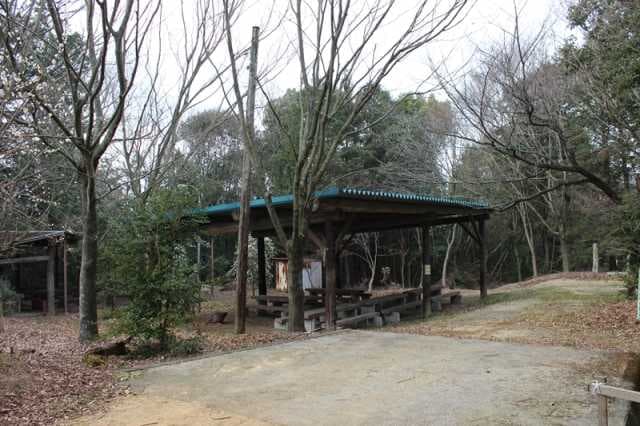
{"points": [[190, 346], [148, 262]]}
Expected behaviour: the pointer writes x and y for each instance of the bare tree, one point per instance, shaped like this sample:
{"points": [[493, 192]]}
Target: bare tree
{"points": [[341, 67], [516, 103], [78, 110], [150, 135], [365, 246]]}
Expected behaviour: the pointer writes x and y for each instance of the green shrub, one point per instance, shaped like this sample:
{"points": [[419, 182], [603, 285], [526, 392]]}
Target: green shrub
{"points": [[94, 361], [190, 346], [147, 261]]}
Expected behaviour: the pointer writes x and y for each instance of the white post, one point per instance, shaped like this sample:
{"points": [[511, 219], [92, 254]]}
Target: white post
{"points": [[596, 258]]}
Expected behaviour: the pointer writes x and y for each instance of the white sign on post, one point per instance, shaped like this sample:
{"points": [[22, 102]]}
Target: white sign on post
{"points": [[427, 269]]}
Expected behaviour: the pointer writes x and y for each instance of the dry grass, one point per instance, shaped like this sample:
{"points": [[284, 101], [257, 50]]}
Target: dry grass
{"points": [[583, 314]]}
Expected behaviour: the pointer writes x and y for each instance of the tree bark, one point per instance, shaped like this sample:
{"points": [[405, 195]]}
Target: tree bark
{"points": [[295, 265], [529, 238], [516, 254], [89, 258], [564, 250], [243, 227], [450, 241]]}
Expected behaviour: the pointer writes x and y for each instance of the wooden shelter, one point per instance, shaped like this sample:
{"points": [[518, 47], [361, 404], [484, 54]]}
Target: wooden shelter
{"points": [[36, 264], [336, 214]]}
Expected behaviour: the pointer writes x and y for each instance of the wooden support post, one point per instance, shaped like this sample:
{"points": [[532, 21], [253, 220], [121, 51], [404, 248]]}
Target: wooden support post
{"points": [[603, 411], [427, 260], [262, 268], [51, 278], [330, 264], [483, 258], [65, 278]]}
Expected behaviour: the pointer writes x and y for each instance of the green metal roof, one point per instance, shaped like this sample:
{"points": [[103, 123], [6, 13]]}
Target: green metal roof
{"points": [[354, 194]]}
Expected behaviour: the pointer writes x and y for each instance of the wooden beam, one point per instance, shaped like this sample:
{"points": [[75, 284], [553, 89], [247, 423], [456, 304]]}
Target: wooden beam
{"points": [[470, 232], [331, 278], [390, 207], [30, 259], [367, 223], [316, 239], [483, 258], [51, 278], [614, 392], [427, 261]]}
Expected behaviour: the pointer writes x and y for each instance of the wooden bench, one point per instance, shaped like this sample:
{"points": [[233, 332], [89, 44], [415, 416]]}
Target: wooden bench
{"points": [[455, 298], [357, 319]]}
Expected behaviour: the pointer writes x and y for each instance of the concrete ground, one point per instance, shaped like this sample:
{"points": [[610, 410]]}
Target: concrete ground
{"points": [[365, 377]]}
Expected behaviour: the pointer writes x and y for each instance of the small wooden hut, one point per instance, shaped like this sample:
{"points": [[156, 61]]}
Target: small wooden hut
{"points": [[36, 264]]}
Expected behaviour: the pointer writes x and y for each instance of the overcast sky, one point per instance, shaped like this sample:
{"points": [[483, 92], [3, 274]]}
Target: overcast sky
{"points": [[483, 25]]}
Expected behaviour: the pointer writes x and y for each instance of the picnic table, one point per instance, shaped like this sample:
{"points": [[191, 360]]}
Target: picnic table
{"points": [[279, 303], [343, 294]]}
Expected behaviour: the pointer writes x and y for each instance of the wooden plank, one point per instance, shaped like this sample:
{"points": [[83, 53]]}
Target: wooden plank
{"points": [[614, 392], [339, 291], [357, 318], [30, 259], [603, 411], [403, 307]]}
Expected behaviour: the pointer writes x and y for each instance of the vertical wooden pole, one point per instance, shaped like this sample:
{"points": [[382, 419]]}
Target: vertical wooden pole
{"points": [[262, 268], [65, 278], [603, 411], [331, 276], [427, 260], [51, 278], [595, 266], [483, 258], [243, 226]]}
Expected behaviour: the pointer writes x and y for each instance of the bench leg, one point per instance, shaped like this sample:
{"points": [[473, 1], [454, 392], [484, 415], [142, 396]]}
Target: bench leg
{"points": [[456, 300], [436, 305]]}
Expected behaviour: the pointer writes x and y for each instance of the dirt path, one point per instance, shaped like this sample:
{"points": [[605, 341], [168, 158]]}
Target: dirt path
{"points": [[154, 410], [583, 314], [365, 377]]}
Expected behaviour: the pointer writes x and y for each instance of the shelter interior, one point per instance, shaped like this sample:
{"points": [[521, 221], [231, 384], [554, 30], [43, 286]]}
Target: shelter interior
{"points": [[38, 268], [335, 216]]}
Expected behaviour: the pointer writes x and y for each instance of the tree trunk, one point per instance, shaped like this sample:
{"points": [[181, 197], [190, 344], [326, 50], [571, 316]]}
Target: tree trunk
{"points": [[595, 267], [373, 267], [243, 226], [89, 254], [529, 238], [564, 250], [450, 241], [295, 265], [518, 263], [243, 248]]}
